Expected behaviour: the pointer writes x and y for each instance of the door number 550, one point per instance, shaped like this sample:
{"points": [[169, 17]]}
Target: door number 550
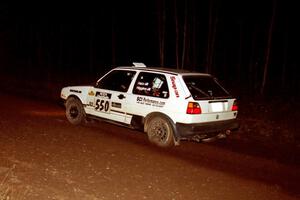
{"points": [[102, 105]]}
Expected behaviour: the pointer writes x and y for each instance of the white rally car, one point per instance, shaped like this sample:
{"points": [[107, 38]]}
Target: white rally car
{"points": [[169, 105]]}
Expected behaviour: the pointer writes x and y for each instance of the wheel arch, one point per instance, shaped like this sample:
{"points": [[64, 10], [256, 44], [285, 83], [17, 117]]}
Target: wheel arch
{"points": [[154, 114], [73, 96]]}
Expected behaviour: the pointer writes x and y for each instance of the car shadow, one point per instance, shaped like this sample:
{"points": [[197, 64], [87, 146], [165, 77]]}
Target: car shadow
{"points": [[236, 157]]}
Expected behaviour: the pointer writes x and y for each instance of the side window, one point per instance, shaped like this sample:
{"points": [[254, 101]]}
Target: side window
{"points": [[151, 84], [117, 80]]}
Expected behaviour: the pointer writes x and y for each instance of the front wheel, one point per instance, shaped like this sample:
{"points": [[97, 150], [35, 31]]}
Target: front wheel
{"points": [[160, 131], [74, 111]]}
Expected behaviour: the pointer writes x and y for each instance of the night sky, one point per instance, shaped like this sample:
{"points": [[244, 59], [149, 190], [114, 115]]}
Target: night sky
{"points": [[57, 43]]}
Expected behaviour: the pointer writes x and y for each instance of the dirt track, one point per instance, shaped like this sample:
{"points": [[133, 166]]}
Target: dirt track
{"points": [[42, 156]]}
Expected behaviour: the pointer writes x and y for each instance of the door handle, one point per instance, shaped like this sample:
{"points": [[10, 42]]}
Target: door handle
{"points": [[121, 96]]}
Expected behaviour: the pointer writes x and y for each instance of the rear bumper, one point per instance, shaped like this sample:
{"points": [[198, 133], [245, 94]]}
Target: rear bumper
{"points": [[205, 130]]}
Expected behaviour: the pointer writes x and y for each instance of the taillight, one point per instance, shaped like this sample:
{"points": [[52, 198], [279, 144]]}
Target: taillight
{"points": [[193, 108], [234, 106]]}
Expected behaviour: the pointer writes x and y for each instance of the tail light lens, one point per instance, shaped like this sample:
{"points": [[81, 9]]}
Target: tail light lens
{"points": [[193, 108], [235, 106]]}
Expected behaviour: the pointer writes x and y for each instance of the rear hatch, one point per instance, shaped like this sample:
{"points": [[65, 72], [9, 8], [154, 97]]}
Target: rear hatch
{"points": [[216, 104]]}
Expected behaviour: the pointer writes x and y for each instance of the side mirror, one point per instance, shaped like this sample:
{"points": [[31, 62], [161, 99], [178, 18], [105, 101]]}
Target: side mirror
{"points": [[97, 84]]}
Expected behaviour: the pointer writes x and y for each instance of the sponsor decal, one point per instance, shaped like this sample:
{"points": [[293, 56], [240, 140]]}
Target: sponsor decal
{"points": [[143, 89], [103, 95], [143, 83], [91, 93], [173, 78], [116, 105], [150, 102], [157, 83], [76, 91]]}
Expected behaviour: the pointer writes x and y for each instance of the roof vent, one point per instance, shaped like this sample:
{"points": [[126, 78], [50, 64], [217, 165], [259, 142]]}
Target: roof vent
{"points": [[137, 64]]}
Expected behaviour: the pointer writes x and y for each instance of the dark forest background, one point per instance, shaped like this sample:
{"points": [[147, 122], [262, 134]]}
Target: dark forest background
{"points": [[251, 46]]}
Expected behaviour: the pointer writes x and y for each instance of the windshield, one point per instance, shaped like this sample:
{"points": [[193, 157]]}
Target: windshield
{"points": [[205, 87]]}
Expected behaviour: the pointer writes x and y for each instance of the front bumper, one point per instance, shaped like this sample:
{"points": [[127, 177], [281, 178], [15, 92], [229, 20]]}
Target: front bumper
{"points": [[205, 130]]}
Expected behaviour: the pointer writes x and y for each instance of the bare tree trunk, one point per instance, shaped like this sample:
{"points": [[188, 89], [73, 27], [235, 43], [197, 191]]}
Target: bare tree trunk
{"points": [[161, 30], [285, 58], [60, 51], [91, 66], [193, 41], [213, 44], [113, 39], [177, 34], [184, 45], [252, 62], [39, 51], [240, 58], [31, 43], [211, 37], [268, 50], [17, 41]]}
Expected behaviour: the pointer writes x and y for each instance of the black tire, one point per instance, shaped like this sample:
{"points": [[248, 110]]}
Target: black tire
{"points": [[160, 131], [74, 111]]}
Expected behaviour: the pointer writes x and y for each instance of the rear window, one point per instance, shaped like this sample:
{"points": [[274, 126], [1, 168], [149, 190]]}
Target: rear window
{"points": [[205, 87]]}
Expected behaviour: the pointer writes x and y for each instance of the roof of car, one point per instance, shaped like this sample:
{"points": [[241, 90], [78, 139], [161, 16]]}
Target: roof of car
{"points": [[164, 70]]}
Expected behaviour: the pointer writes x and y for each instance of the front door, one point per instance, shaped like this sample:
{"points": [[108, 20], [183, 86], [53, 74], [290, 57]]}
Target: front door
{"points": [[110, 98]]}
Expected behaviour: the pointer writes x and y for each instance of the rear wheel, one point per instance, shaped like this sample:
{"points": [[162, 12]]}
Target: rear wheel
{"points": [[74, 111], [160, 131]]}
